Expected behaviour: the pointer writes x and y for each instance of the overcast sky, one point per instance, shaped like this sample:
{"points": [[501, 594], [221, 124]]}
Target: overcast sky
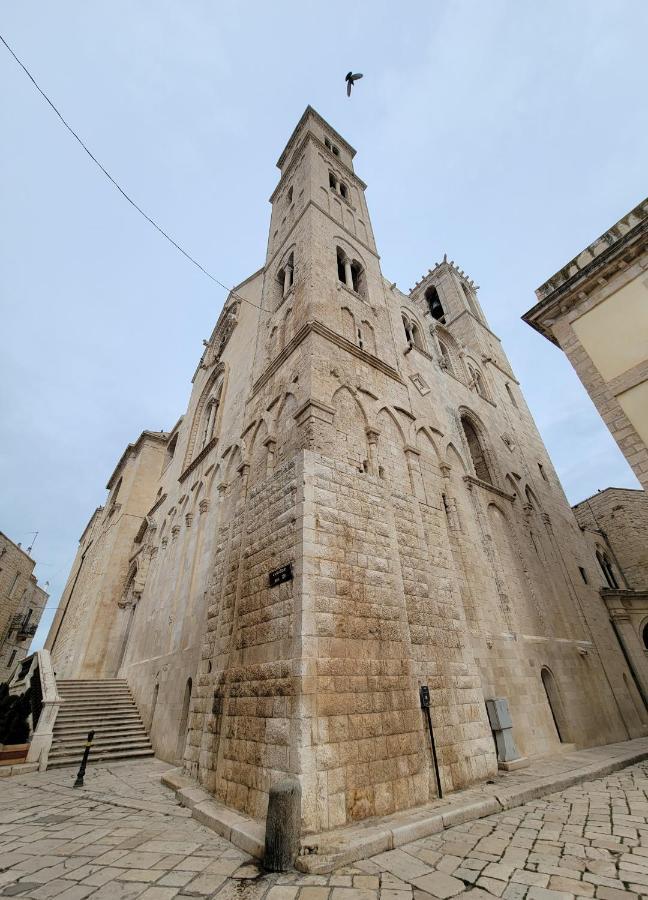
{"points": [[507, 133]]}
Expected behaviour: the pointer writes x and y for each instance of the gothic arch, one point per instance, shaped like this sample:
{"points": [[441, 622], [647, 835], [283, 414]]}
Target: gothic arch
{"points": [[233, 459], [425, 442], [453, 354], [392, 441], [347, 389], [388, 411], [509, 482], [214, 388], [351, 422], [351, 250], [257, 450], [477, 378], [453, 455], [473, 434], [413, 329]]}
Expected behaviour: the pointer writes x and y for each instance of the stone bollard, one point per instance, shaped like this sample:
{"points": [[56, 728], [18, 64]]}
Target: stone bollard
{"points": [[283, 825]]}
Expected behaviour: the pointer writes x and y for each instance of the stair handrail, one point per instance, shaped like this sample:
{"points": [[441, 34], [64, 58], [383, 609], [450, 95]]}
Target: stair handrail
{"points": [[42, 737]]}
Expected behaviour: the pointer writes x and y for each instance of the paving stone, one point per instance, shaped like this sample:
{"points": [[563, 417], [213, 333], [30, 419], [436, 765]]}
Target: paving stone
{"points": [[439, 884], [537, 893], [402, 864], [159, 893], [205, 884], [571, 885]]}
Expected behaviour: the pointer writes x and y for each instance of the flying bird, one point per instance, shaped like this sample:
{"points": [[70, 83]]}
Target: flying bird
{"points": [[350, 80]]}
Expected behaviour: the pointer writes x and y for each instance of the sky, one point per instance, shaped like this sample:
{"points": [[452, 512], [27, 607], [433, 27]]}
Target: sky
{"points": [[507, 133]]}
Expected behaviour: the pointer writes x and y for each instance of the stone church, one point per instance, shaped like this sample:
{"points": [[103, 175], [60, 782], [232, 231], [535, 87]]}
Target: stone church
{"points": [[356, 502]]}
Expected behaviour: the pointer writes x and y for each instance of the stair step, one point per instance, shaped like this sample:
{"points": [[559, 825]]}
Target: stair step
{"points": [[64, 747], [92, 695], [106, 707], [116, 728], [93, 715], [81, 735], [96, 708], [103, 757]]}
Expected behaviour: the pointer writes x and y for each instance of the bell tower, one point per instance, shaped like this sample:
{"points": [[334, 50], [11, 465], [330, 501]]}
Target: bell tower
{"points": [[322, 265]]}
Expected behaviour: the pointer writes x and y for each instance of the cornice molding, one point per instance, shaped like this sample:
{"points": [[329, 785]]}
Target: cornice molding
{"points": [[198, 459], [315, 327], [470, 480]]}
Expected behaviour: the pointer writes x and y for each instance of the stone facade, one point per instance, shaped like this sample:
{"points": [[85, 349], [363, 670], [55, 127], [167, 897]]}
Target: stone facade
{"points": [[596, 309], [615, 524], [619, 516], [356, 503], [22, 602]]}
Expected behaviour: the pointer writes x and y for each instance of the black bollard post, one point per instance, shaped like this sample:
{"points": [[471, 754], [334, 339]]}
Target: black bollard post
{"points": [[84, 761], [283, 825]]}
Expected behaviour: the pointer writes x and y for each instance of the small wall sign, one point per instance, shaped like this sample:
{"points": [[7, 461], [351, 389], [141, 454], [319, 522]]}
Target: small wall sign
{"points": [[278, 576]]}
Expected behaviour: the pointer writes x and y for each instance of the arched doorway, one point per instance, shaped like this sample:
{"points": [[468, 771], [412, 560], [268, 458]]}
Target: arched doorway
{"points": [[184, 718], [555, 703]]}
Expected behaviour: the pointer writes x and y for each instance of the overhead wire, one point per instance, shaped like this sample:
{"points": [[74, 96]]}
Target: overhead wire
{"points": [[121, 190]]}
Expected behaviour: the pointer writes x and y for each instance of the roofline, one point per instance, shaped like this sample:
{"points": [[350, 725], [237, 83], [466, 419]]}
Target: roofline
{"points": [[160, 436], [310, 111], [605, 490], [575, 273], [19, 549], [90, 521]]}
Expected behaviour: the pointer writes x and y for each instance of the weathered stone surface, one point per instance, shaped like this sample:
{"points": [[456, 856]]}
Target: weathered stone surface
{"points": [[382, 466]]}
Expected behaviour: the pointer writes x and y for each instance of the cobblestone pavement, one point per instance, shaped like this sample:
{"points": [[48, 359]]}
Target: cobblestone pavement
{"points": [[124, 836]]}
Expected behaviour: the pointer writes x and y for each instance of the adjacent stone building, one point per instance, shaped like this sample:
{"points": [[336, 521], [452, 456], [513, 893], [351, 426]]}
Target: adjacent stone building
{"points": [[615, 522], [22, 602], [596, 309], [356, 503]]}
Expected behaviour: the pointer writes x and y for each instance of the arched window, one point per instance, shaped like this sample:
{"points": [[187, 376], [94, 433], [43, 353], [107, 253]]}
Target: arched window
{"points": [[446, 359], [344, 190], [511, 395], [644, 636], [350, 272], [477, 382], [285, 277], [476, 450], [606, 568], [408, 329], [434, 304], [210, 412], [170, 449]]}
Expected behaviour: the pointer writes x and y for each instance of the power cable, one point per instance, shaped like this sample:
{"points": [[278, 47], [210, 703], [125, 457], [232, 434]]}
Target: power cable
{"points": [[119, 187]]}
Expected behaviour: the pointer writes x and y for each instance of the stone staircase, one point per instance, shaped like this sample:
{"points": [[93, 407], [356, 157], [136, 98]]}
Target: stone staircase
{"points": [[106, 707]]}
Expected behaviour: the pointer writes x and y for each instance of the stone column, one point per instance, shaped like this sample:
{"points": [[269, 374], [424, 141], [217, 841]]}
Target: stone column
{"points": [[372, 439], [270, 444], [348, 277], [287, 279], [414, 466]]}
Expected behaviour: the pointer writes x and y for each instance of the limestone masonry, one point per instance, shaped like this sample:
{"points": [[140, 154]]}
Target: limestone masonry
{"points": [[356, 503], [22, 602]]}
